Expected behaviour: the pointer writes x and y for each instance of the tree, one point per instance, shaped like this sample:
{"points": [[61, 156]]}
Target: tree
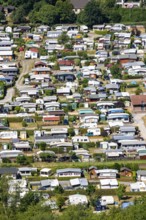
{"points": [[90, 189], [63, 38], [24, 123], [138, 91], [120, 191], [17, 109], [42, 51], [48, 92], [58, 189], [65, 11], [83, 131], [79, 212], [18, 16], [56, 66], [22, 159], [30, 198], [85, 82], [108, 3], [92, 14], [117, 166], [114, 16], [71, 132], [77, 62], [72, 118], [116, 71], [4, 195], [46, 15], [60, 202], [2, 16], [47, 157], [42, 146]]}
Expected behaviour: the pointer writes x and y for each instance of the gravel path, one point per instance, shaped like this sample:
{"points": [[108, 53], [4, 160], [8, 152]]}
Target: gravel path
{"points": [[26, 68], [138, 121]]}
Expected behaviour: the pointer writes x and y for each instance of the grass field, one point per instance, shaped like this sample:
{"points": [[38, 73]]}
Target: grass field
{"points": [[59, 165]]}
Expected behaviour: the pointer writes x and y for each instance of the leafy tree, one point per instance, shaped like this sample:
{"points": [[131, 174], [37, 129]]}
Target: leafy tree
{"points": [[78, 212], [71, 132], [92, 14], [46, 15], [72, 118], [63, 38], [2, 16], [84, 82], [114, 16], [120, 191], [77, 62], [22, 160], [107, 3], [42, 146], [17, 109], [4, 195], [65, 11], [30, 198], [19, 15], [24, 123], [58, 189], [42, 51], [117, 166], [83, 131], [56, 66], [116, 71], [48, 157], [90, 189], [48, 92], [138, 91], [60, 202]]}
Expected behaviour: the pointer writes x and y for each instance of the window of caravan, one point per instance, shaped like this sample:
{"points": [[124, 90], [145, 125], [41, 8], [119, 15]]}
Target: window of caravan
{"points": [[121, 117]]}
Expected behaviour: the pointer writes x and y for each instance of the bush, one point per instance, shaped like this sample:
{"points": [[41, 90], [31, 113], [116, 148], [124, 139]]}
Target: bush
{"points": [[101, 32], [30, 132], [132, 86], [24, 124]]}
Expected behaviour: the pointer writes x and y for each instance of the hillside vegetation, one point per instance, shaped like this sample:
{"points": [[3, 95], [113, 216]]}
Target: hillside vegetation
{"points": [[52, 12]]}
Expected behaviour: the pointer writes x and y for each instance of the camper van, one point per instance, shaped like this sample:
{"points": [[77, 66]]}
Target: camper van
{"points": [[84, 28], [105, 106], [93, 132], [124, 117], [118, 27]]}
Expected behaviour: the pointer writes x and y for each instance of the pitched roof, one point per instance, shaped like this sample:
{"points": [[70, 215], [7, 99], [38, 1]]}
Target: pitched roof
{"points": [[79, 4], [8, 170], [66, 170], [138, 99]]}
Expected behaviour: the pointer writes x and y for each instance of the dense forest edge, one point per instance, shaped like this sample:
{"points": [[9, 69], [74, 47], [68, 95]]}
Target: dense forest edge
{"points": [[51, 12]]}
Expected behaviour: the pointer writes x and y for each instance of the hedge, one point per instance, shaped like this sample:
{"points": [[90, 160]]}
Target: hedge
{"points": [[15, 119], [20, 119]]}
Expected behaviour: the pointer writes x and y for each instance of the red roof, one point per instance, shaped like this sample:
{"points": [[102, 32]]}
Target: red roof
{"points": [[34, 50], [138, 99], [50, 118], [66, 62]]}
